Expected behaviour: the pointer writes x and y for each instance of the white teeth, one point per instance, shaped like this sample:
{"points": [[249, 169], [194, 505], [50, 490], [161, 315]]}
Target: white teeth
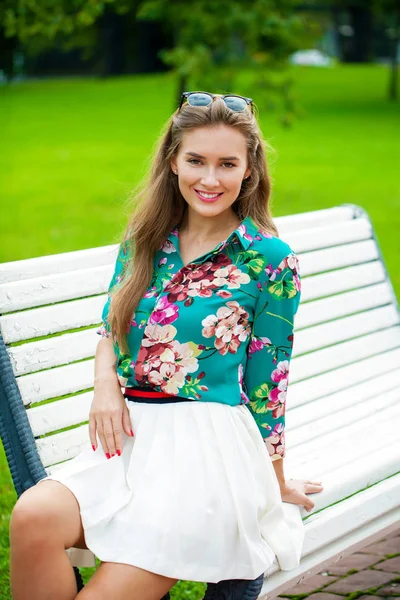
{"points": [[208, 195]]}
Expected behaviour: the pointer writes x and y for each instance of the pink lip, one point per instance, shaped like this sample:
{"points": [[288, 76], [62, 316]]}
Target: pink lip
{"points": [[208, 199]]}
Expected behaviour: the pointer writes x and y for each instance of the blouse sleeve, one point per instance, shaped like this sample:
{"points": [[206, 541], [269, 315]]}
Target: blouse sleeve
{"points": [[269, 352], [119, 270]]}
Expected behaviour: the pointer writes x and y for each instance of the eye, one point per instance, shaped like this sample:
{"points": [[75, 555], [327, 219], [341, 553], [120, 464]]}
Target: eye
{"points": [[231, 164], [196, 160]]}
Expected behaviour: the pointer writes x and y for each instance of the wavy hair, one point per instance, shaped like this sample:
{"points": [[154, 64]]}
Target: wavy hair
{"points": [[159, 204]]}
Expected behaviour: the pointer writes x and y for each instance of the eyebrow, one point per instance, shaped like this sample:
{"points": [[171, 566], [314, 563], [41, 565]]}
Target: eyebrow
{"points": [[221, 158]]}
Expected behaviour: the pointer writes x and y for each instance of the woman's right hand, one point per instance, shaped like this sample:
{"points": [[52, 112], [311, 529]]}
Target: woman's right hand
{"points": [[108, 415]]}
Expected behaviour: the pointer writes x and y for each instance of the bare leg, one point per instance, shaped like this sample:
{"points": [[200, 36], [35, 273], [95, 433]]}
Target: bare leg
{"points": [[45, 521], [120, 581]]}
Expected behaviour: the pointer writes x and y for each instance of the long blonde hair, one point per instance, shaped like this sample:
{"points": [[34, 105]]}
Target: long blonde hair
{"points": [[159, 204]]}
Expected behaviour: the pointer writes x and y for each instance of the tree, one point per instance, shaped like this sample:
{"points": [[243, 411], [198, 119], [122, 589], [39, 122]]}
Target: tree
{"points": [[222, 45], [363, 14]]}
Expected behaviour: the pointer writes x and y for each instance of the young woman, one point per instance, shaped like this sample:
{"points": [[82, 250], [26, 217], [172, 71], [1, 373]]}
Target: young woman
{"points": [[185, 479]]}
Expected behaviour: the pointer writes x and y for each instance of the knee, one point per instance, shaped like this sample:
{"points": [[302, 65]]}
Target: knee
{"points": [[30, 521]]}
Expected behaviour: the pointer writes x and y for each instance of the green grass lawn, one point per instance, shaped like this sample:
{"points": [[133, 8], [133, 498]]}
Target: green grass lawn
{"points": [[72, 149]]}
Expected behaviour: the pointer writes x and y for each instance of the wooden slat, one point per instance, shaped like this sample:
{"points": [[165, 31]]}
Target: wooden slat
{"points": [[318, 427], [321, 385], [352, 441], [298, 418], [352, 476], [327, 359], [340, 305], [63, 446], [77, 313], [32, 268], [315, 218], [342, 280], [320, 261], [54, 351], [60, 414], [46, 320], [54, 288], [85, 282], [75, 409], [72, 378], [346, 328], [105, 255], [335, 234], [64, 349], [60, 381]]}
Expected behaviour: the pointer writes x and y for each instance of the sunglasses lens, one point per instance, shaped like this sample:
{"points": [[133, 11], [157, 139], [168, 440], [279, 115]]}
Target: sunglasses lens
{"points": [[236, 104], [199, 99]]}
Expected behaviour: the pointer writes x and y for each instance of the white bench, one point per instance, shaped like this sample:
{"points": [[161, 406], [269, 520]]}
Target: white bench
{"points": [[343, 404]]}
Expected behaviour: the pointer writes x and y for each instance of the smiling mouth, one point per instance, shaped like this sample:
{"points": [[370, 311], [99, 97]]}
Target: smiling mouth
{"points": [[208, 195]]}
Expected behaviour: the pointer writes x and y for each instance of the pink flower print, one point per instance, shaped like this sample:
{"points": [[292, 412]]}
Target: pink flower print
{"points": [[265, 233], [169, 379], [158, 334], [162, 261], [164, 312], [281, 372], [176, 361], [258, 344], [148, 360], [151, 292], [133, 322], [243, 232], [168, 247], [270, 272], [277, 396], [224, 294], [202, 288], [275, 442], [243, 396], [230, 276], [230, 327]]}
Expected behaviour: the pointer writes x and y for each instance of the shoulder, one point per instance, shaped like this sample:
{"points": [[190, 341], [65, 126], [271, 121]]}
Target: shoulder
{"points": [[274, 249]]}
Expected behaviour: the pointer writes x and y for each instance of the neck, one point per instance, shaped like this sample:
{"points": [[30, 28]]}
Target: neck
{"points": [[200, 227]]}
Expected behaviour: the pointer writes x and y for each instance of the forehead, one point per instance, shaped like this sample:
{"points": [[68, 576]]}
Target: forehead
{"points": [[221, 140]]}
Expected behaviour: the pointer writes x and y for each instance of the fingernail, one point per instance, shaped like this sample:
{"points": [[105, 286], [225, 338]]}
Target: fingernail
{"points": [[131, 432], [119, 452], [113, 454], [108, 455], [94, 447]]}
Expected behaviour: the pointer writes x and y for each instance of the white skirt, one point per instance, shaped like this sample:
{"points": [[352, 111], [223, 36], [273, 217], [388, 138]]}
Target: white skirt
{"points": [[193, 496]]}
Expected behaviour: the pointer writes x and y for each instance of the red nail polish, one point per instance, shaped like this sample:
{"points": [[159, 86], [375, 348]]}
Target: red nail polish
{"points": [[113, 454], [119, 452], [108, 455], [131, 432], [94, 447]]}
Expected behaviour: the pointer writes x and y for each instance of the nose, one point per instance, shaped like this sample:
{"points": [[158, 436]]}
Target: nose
{"points": [[209, 178]]}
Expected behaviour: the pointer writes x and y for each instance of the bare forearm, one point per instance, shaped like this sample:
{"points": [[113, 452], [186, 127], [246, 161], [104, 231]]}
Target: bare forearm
{"points": [[278, 466], [105, 362]]}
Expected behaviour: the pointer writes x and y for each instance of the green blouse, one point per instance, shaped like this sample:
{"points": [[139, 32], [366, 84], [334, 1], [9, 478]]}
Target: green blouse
{"points": [[219, 329]]}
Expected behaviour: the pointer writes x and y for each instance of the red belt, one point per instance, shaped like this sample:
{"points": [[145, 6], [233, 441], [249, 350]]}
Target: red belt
{"points": [[133, 392]]}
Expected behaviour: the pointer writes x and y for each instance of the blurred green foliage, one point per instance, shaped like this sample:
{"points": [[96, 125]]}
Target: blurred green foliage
{"points": [[212, 41]]}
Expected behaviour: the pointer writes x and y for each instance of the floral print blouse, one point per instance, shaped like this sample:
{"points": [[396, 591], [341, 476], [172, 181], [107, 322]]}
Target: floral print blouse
{"points": [[219, 329]]}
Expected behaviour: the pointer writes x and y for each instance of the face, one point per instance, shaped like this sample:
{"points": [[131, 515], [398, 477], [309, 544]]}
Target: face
{"points": [[211, 164]]}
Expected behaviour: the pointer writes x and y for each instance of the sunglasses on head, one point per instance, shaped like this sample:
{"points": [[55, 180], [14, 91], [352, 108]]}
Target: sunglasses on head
{"points": [[232, 101]]}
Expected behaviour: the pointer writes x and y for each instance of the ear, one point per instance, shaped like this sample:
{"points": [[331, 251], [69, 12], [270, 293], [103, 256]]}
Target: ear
{"points": [[247, 173], [173, 163]]}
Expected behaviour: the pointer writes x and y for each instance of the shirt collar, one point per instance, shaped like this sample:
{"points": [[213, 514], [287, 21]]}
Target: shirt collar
{"points": [[245, 233]]}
